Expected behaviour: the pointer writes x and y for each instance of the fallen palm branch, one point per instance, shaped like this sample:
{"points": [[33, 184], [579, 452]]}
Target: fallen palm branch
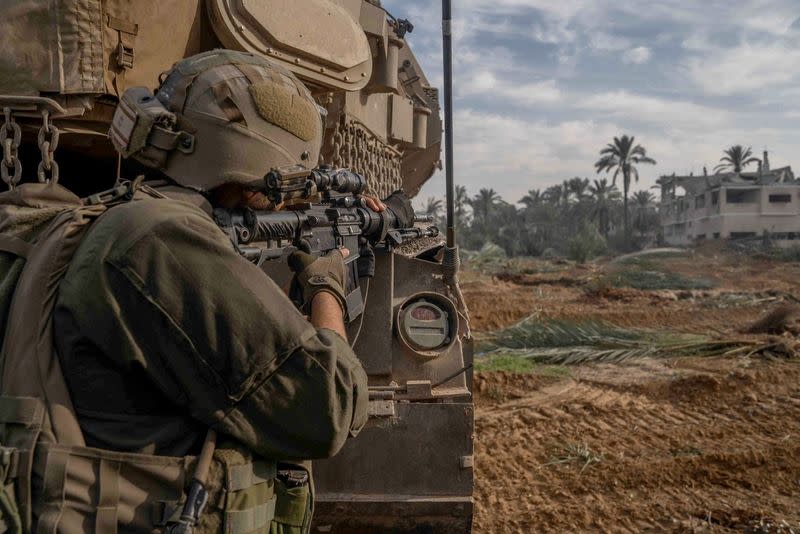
{"points": [[560, 342]]}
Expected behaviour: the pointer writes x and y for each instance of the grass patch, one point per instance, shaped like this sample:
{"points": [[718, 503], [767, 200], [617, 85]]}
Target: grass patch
{"points": [[518, 265], [574, 453], [513, 363], [642, 263], [654, 280], [650, 258], [790, 255]]}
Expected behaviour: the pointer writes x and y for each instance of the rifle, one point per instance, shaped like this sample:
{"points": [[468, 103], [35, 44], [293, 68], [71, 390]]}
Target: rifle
{"points": [[323, 212]]}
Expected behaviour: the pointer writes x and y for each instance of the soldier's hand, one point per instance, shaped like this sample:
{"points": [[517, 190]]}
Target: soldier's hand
{"points": [[373, 203], [314, 275]]}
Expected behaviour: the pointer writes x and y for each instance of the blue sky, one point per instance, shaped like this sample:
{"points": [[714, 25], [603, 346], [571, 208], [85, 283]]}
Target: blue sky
{"points": [[542, 85]]}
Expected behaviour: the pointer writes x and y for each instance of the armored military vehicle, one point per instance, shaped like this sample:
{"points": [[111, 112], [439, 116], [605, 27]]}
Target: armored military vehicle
{"points": [[63, 66]]}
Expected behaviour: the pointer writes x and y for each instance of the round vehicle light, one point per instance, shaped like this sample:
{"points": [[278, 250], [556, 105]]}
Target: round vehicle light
{"points": [[426, 323]]}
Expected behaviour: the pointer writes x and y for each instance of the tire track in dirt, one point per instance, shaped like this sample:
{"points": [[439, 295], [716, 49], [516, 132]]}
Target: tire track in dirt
{"points": [[702, 444]]}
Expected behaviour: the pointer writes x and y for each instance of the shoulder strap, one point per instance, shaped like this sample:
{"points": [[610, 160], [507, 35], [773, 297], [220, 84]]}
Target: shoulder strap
{"points": [[15, 245], [31, 366]]}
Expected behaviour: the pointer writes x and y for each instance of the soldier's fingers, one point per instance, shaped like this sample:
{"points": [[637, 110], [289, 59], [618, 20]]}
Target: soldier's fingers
{"points": [[345, 252], [374, 204]]}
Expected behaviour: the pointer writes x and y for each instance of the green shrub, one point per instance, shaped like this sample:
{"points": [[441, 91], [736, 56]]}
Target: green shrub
{"points": [[549, 254], [656, 280], [587, 244], [791, 254]]}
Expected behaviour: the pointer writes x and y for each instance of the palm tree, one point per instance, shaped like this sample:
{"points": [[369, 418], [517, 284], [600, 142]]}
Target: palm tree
{"points": [[532, 199], [642, 202], [434, 207], [461, 201], [623, 155], [554, 194], [566, 192], [483, 203], [735, 159], [578, 187], [603, 197]]}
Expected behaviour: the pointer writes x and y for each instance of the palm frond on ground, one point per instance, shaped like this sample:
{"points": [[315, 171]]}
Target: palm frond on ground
{"points": [[560, 342]]}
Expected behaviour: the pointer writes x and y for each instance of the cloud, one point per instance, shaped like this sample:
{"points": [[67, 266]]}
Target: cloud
{"points": [[513, 155], [637, 56], [659, 112], [604, 41], [542, 85], [485, 83], [746, 68]]}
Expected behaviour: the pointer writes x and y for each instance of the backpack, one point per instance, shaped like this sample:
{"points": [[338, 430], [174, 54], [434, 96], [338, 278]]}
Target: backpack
{"points": [[93, 47], [50, 481]]}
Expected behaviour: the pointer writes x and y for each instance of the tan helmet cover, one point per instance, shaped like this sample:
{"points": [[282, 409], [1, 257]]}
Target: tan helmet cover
{"points": [[237, 116]]}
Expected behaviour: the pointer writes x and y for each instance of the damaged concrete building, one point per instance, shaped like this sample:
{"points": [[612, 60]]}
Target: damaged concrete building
{"points": [[731, 206]]}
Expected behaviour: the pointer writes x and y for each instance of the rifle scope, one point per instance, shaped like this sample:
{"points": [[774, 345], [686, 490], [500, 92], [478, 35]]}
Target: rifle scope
{"points": [[294, 183]]}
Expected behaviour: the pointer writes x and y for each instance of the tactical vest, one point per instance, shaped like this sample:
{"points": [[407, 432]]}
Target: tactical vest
{"points": [[50, 481]]}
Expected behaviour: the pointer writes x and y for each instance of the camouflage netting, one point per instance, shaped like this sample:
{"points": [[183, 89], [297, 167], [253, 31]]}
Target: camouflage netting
{"points": [[355, 148]]}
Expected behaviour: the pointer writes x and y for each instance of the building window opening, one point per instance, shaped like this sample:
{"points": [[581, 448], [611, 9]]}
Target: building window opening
{"points": [[700, 201], [782, 198], [714, 198], [716, 235], [741, 196], [742, 235]]}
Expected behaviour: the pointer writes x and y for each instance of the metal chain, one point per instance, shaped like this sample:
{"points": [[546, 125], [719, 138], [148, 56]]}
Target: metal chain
{"points": [[10, 136], [48, 142]]}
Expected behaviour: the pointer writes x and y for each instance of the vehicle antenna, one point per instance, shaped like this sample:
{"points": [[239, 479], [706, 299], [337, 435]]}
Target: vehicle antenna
{"points": [[451, 262], [447, 48]]}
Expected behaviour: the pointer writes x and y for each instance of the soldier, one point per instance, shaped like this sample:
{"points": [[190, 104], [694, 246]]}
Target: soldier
{"points": [[163, 331]]}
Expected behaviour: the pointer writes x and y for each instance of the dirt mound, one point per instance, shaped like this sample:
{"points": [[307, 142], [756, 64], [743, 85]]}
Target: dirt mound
{"points": [[784, 318], [500, 386], [532, 280]]}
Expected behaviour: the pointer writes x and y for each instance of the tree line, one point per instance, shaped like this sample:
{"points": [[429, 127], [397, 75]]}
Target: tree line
{"points": [[579, 218]]}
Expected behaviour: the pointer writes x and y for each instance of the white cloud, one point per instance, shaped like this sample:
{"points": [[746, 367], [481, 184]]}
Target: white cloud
{"points": [[637, 56], [605, 41], [531, 94], [660, 112], [538, 118], [746, 68], [486, 83], [513, 155]]}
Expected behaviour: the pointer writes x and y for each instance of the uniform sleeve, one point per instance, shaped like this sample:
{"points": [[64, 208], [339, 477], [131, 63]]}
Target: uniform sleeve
{"points": [[161, 288]]}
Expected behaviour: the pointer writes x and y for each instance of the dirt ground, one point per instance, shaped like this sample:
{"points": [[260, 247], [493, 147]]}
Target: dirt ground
{"points": [[668, 445]]}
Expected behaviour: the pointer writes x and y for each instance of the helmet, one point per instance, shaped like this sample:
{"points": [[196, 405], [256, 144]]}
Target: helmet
{"points": [[220, 117]]}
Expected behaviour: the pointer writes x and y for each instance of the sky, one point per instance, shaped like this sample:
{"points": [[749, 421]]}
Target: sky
{"points": [[540, 86]]}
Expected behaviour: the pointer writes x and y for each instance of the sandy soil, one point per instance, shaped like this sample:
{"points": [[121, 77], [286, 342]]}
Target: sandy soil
{"points": [[675, 445]]}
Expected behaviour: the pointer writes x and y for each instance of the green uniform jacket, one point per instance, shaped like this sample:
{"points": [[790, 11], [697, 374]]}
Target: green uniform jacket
{"points": [[162, 329]]}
